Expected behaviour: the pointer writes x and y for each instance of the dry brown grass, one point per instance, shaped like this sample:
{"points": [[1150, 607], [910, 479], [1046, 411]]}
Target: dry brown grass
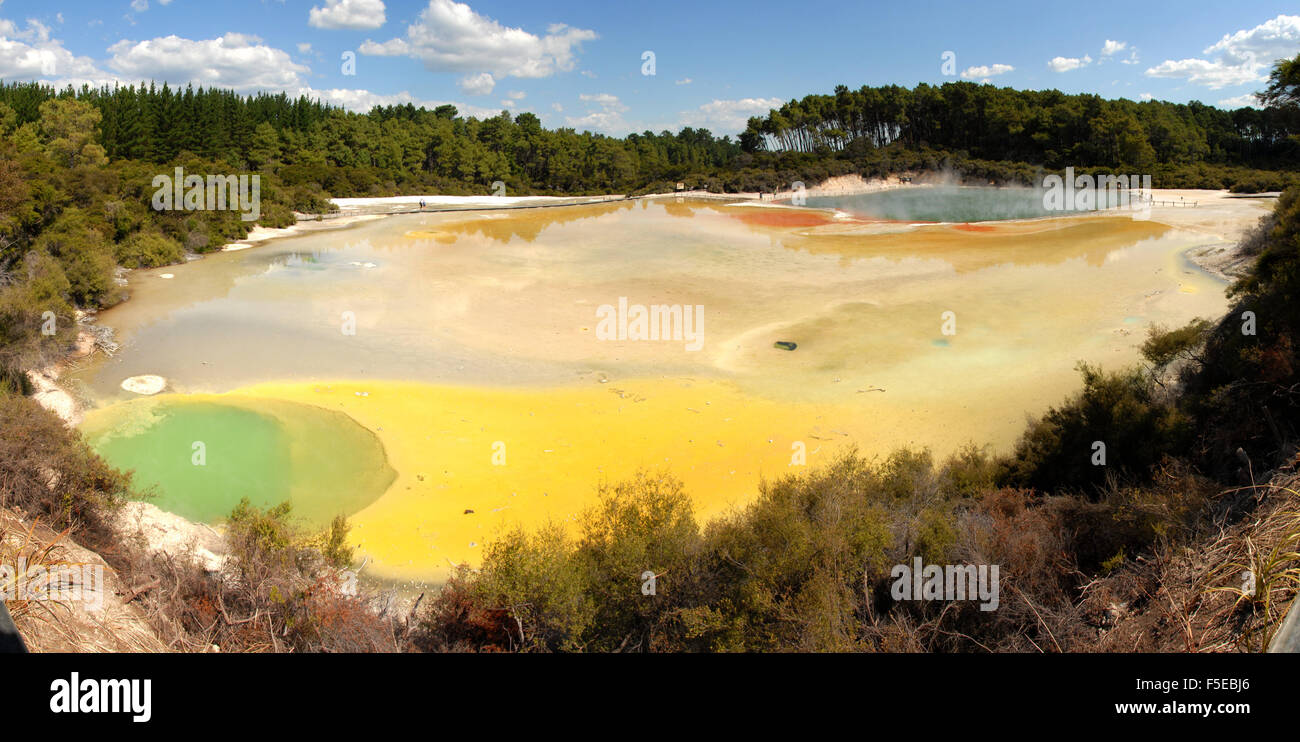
{"points": [[1193, 597], [70, 625]]}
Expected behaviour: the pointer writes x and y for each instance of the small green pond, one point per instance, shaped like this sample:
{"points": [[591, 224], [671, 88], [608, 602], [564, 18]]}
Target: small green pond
{"points": [[200, 455]]}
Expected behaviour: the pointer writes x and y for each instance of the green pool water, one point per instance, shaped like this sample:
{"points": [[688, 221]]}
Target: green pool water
{"points": [[945, 204], [200, 455]]}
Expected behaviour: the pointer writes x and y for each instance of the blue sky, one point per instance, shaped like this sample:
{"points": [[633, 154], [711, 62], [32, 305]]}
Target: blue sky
{"points": [[580, 64]]}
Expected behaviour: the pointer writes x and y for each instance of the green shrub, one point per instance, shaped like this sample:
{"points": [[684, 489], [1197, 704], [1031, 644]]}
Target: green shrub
{"points": [[261, 531], [148, 250], [1162, 346], [333, 544], [1122, 410], [78, 243], [533, 578], [797, 557], [50, 473], [645, 524]]}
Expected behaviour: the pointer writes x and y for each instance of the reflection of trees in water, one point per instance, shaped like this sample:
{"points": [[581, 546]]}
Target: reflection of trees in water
{"points": [[298, 259], [673, 208], [1042, 243], [528, 224]]}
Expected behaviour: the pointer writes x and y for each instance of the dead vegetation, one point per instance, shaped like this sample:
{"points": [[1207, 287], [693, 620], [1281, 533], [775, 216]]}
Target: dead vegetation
{"points": [[1226, 591]]}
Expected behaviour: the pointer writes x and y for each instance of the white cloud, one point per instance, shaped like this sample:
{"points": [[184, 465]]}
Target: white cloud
{"points": [[451, 37], [31, 53], [362, 101], [347, 14], [986, 71], [684, 81], [140, 6], [1240, 101], [604, 99], [728, 116], [1065, 64], [36, 31], [604, 114], [516, 94], [304, 47], [232, 61], [1263, 44], [1214, 75], [1111, 48], [1239, 58], [480, 84], [1146, 96]]}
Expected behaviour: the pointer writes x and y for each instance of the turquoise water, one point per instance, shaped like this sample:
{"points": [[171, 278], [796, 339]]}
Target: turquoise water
{"points": [[942, 204]]}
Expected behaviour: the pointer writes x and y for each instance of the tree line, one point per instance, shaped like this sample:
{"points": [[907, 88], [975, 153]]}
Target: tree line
{"points": [[1045, 127], [391, 148]]}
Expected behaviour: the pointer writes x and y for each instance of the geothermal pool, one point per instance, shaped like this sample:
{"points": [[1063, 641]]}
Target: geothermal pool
{"points": [[943, 203], [441, 377]]}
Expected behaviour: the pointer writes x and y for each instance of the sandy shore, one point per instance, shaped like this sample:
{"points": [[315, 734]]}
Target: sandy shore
{"points": [[1224, 219], [306, 223], [433, 203]]}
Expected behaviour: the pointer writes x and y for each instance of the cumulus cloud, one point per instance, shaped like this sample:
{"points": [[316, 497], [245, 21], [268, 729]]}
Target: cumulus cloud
{"points": [[1240, 101], [1237, 58], [480, 84], [362, 101], [347, 14], [604, 114], [1065, 64], [1212, 74], [30, 53], [451, 37], [1263, 44], [985, 71], [235, 61], [1111, 48], [728, 116]]}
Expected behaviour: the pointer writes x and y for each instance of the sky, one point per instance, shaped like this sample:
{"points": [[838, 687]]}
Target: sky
{"points": [[619, 66]]}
